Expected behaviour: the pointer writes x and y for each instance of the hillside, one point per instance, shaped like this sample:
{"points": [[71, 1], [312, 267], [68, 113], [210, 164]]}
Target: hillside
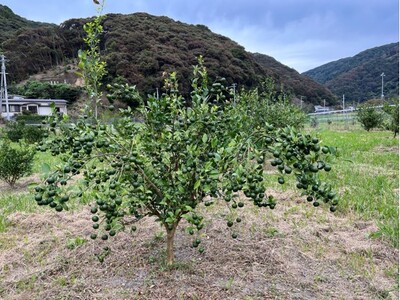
{"points": [[358, 77], [141, 47], [302, 85], [10, 23]]}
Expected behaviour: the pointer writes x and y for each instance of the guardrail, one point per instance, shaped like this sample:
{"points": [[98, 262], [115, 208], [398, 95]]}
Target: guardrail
{"points": [[342, 111]]}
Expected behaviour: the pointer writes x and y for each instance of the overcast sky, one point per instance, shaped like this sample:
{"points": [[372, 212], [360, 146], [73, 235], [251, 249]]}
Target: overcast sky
{"points": [[302, 34]]}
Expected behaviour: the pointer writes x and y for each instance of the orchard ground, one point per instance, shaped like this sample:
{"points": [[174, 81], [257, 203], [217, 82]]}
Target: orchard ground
{"points": [[295, 251]]}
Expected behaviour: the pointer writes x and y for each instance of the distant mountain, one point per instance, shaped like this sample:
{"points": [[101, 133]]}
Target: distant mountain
{"points": [[141, 48], [300, 85], [359, 77], [11, 23]]}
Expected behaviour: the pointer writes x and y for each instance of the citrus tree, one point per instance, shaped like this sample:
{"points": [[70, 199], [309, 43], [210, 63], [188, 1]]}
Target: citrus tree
{"points": [[16, 161], [181, 156], [186, 152], [369, 117]]}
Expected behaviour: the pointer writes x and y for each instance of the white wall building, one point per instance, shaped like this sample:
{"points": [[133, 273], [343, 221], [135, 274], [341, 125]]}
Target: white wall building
{"points": [[319, 108], [17, 104]]}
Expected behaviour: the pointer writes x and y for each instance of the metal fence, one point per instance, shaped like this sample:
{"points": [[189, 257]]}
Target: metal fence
{"points": [[338, 119]]}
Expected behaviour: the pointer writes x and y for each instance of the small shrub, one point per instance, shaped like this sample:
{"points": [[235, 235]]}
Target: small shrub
{"points": [[124, 93], [268, 107], [392, 121], [15, 162], [285, 114], [14, 131], [369, 117], [314, 122], [30, 119], [33, 134]]}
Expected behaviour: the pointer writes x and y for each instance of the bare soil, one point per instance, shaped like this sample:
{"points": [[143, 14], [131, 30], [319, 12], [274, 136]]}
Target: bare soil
{"points": [[293, 252]]}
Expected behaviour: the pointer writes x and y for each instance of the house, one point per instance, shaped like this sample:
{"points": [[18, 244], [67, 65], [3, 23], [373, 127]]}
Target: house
{"points": [[319, 109], [17, 104]]}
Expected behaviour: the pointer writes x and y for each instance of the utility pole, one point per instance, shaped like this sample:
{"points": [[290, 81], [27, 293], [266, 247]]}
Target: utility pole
{"points": [[344, 114], [382, 75], [324, 104], [3, 88], [234, 93], [301, 102], [343, 103]]}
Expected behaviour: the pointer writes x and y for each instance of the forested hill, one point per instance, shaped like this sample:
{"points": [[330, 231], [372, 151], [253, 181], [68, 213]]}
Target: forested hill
{"points": [[10, 23], [303, 85], [359, 77], [141, 47]]}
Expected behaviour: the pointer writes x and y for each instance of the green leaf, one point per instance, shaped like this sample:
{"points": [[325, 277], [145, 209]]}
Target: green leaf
{"points": [[188, 208], [214, 174], [205, 138], [214, 142], [45, 168], [196, 184], [217, 157], [64, 206]]}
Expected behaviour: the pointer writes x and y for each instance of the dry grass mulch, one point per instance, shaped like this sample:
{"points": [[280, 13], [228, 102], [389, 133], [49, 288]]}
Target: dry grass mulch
{"points": [[292, 252]]}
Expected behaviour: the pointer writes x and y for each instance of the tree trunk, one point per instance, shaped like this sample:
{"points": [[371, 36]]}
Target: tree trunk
{"points": [[170, 243]]}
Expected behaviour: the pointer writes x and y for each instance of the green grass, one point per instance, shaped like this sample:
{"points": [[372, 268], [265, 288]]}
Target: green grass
{"points": [[12, 202], [15, 203], [367, 175], [42, 158]]}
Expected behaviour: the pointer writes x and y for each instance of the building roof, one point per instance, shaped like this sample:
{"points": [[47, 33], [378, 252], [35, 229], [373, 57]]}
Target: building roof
{"points": [[35, 101]]}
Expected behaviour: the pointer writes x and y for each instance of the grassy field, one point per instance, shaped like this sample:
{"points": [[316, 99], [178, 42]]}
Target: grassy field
{"points": [[293, 252], [367, 173]]}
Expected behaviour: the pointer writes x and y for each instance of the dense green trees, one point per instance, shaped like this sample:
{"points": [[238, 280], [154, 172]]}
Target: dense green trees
{"points": [[45, 90], [141, 48], [294, 83], [11, 24], [358, 77]]}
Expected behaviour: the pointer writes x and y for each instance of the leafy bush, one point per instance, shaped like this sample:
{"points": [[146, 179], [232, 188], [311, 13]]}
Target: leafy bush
{"points": [[15, 162], [125, 93], [16, 131], [314, 122], [269, 107], [30, 118], [392, 121], [33, 134], [369, 117], [45, 90]]}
